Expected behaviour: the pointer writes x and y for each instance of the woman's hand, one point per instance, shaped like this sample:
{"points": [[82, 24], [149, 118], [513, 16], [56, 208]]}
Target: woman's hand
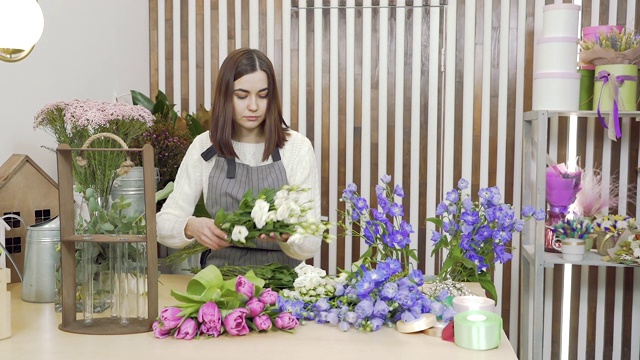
{"points": [[205, 231], [275, 237]]}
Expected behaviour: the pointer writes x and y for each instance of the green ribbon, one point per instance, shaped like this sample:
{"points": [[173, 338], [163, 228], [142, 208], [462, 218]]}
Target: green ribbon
{"points": [[477, 330]]}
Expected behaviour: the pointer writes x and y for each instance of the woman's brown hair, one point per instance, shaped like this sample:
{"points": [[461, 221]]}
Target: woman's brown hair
{"points": [[239, 63]]}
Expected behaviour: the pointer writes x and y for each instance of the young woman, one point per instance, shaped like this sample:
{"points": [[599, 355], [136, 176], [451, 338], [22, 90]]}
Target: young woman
{"points": [[249, 146]]}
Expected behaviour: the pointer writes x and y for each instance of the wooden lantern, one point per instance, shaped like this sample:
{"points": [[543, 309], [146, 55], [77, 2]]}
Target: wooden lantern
{"points": [[69, 239]]}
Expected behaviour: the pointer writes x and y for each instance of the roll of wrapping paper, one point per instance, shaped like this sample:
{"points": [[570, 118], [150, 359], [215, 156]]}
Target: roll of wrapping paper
{"points": [[477, 330], [467, 303]]}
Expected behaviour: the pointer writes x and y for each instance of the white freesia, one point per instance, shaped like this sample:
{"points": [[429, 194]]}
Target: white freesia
{"points": [[260, 213], [239, 233]]}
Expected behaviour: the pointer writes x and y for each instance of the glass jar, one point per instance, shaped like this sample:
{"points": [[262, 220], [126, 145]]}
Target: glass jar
{"points": [[555, 214]]}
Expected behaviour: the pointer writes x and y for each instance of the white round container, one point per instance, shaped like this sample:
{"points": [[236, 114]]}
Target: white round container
{"points": [[557, 54], [558, 91], [560, 20]]}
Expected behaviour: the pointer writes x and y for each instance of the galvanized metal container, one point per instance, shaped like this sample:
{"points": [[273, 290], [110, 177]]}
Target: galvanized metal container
{"points": [[41, 258], [131, 187]]}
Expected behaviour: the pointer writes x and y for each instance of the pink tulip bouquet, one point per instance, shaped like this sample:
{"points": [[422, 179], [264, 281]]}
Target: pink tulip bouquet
{"points": [[212, 306]]}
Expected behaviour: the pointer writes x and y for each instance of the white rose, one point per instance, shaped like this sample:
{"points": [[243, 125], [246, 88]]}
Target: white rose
{"points": [[260, 213], [239, 233]]}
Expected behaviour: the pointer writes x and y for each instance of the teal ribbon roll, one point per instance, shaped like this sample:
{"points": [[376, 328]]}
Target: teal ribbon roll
{"points": [[477, 330]]}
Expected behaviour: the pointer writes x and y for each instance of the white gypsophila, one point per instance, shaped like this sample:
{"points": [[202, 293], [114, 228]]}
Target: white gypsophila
{"points": [[455, 288], [260, 213], [239, 233]]}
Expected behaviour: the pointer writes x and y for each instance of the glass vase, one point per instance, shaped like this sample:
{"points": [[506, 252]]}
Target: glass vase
{"points": [[555, 214]]}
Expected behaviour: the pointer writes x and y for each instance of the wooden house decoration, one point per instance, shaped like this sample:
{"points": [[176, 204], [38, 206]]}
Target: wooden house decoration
{"points": [[30, 193], [3, 256]]}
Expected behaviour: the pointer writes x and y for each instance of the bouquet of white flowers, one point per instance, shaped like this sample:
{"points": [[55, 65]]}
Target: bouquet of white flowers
{"points": [[313, 284], [271, 211]]}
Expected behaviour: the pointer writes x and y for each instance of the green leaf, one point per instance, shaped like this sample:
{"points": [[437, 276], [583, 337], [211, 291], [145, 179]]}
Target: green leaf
{"points": [[194, 126], [186, 298], [201, 209], [207, 277], [220, 218], [435, 220], [255, 280], [158, 108], [164, 193], [93, 204], [210, 294], [487, 284], [139, 98]]}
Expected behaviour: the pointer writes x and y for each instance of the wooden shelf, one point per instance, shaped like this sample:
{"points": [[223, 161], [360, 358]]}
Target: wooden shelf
{"points": [[591, 258]]}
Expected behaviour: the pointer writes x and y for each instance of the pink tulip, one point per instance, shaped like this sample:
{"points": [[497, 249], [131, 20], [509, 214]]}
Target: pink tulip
{"points": [[170, 317], [269, 297], [255, 307], [286, 321], [244, 286], [235, 322], [210, 319], [159, 332], [188, 330], [262, 322]]}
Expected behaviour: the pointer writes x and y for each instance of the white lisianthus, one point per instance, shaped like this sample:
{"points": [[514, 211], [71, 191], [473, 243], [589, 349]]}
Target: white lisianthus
{"points": [[239, 233], [260, 213], [296, 238], [282, 212]]}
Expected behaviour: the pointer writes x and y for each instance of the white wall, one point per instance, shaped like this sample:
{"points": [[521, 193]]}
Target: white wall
{"points": [[90, 49]]}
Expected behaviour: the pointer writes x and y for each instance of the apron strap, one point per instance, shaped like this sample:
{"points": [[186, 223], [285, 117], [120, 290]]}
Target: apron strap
{"points": [[231, 163], [209, 153]]}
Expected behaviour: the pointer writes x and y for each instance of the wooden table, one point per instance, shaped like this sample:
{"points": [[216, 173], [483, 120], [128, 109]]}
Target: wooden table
{"points": [[35, 335]]}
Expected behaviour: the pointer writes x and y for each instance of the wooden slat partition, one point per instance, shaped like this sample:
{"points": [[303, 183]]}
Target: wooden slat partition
{"points": [[425, 94]]}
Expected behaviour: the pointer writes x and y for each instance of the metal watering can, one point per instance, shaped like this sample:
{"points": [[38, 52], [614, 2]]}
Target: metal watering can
{"points": [[41, 258]]}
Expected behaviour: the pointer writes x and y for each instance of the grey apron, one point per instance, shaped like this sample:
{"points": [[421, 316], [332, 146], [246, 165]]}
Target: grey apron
{"points": [[228, 182]]}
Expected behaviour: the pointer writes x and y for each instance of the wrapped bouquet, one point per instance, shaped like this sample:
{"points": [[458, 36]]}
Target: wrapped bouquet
{"points": [[271, 211]]}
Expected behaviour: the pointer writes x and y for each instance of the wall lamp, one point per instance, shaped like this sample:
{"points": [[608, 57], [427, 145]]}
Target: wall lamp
{"points": [[21, 25]]}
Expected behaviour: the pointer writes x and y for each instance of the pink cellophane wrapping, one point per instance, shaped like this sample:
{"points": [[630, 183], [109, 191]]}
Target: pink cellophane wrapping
{"points": [[562, 185]]}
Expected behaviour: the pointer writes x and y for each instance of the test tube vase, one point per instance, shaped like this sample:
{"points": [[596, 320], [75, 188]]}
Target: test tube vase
{"points": [[130, 277]]}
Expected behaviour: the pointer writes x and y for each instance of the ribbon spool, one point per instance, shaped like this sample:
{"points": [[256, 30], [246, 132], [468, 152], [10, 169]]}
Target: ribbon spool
{"points": [[422, 323], [477, 330], [468, 303]]}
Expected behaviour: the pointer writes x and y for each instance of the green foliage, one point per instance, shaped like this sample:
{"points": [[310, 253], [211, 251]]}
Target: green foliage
{"points": [[170, 135], [113, 220], [209, 285], [162, 108], [275, 276]]}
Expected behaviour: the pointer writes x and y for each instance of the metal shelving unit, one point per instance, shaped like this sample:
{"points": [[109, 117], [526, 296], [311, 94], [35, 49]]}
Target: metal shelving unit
{"points": [[534, 259]]}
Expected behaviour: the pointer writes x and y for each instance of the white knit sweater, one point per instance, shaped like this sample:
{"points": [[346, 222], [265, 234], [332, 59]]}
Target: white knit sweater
{"points": [[192, 180]]}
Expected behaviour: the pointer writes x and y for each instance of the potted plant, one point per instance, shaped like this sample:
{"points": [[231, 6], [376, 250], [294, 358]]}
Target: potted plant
{"points": [[576, 228], [616, 56], [609, 228]]}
